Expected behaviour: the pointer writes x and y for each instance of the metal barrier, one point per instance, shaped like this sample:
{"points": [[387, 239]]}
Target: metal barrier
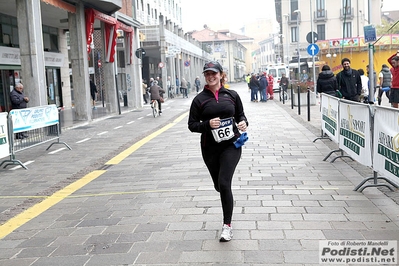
{"points": [[30, 127]]}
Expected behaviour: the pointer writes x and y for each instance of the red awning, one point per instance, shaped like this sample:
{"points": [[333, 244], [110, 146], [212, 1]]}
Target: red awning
{"points": [[111, 25]]}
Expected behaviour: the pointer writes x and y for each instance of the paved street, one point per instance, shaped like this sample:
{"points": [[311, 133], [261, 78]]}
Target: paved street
{"points": [[134, 191]]}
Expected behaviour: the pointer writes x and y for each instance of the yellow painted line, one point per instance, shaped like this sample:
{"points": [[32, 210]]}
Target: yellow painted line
{"points": [[124, 154], [66, 192], [41, 207]]}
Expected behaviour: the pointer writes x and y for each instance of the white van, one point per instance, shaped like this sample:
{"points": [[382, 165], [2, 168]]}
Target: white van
{"points": [[277, 71]]}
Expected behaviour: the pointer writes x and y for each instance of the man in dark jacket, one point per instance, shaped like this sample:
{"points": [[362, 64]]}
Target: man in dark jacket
{"points": [[19, 101], [263, 87], [327, 82], [17, 97], [349, 82]]}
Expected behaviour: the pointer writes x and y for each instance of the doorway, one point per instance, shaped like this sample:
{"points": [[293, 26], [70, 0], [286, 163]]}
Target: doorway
{"points": [[8, 79], [54, 92]]}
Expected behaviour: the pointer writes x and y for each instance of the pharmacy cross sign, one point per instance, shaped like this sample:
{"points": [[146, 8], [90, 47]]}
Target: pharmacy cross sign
{"points": [[313, 49]]}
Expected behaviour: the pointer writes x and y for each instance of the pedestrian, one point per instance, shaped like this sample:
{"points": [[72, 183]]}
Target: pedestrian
{"points": [[349, 82], [169, 86], [19, 101], [156, 92], [93, 93], [384, 82], [151, 82], [218, 114], [284, 82], [177, 85], [144, 88], [304, 76], [263, 87], [184, 87], [326, 81], [159, 80], [394, 93], [270, 86], [197, 83], [248, 79], [254, 85], [364, 96]]}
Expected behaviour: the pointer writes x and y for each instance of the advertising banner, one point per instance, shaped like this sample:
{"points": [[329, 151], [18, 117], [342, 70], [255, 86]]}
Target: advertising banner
{"points": [[33, 118], [4, 141], [355, 131], [386, 143], [329, 116]]}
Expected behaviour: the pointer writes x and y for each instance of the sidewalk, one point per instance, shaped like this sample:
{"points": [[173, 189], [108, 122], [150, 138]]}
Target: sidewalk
{"points": [[134, 191]]}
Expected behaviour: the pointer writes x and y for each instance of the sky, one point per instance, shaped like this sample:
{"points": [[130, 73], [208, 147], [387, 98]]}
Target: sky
{"points": [[232, 14]]}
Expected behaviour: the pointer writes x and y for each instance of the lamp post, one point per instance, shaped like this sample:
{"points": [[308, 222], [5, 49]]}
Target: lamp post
{"points": [[298, 12]]}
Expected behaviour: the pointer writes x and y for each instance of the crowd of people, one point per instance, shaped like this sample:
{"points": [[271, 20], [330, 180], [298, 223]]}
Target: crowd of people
{"points": [[261, 86], [354, 85]]}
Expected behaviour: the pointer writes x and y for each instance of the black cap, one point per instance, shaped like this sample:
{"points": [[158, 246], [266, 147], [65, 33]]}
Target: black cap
{"points": [[213, 66]]}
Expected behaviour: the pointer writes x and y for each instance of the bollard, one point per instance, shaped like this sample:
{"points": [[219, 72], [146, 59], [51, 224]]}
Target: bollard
{"points": [[299, 100], [308, 104]]}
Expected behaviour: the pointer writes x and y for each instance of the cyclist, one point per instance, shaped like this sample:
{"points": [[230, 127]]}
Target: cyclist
{"points": [[155, 92]]}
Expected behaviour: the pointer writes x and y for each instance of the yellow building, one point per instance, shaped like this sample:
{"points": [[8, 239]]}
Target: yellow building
{"points": [[357, 50]]}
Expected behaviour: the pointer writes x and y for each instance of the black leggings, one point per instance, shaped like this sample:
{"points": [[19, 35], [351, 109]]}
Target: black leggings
{"points": [[221, 163], [380, 92]]}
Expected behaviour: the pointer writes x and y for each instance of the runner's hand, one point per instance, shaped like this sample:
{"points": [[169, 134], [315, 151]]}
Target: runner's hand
{"points": [[242, 126]]}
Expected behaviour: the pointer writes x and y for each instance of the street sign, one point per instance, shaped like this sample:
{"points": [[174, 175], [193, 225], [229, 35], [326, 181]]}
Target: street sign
{"points": [[309, 37], [161, 65], [140, 53], [313, 49], [370, 34]]}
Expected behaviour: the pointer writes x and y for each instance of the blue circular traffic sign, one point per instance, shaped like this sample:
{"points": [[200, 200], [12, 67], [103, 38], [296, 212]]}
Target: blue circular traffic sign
{"points": [[313, 49]]}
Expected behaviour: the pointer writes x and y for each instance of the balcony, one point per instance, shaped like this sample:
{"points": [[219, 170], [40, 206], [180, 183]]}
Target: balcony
{"points": [[347, 13], [320, 15]]}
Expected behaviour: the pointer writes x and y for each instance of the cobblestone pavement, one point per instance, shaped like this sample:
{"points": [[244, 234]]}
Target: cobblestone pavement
{"points": [[134, 191], [312, 121]]}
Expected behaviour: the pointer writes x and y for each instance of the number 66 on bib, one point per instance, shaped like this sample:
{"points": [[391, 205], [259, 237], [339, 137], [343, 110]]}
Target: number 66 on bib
{"points": [[224, 131]]}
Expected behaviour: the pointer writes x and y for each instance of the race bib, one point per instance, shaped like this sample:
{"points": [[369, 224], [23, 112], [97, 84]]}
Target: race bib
{"points": [[224, 131]]}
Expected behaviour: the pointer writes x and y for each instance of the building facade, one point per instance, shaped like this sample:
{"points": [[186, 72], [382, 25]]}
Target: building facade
{"points": [[169, 52], [48, 46], [329, 19]]}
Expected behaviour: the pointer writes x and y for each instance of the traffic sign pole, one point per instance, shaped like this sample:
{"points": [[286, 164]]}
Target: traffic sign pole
{"points": [[313, 40]]}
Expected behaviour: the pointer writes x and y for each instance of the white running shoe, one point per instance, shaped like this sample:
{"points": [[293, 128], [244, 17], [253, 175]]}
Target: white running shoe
{"points": [[227, 233]]}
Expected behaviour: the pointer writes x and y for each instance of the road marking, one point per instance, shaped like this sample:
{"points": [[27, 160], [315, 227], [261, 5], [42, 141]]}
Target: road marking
{"points": [[102, 133], [37, 209], [83, 140], [118, 127], [121, 156], [18, 167], [140, 118], [131, 122], [60, 149], [41, 207]]}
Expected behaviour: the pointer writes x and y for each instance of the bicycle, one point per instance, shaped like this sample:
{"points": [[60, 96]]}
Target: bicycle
{"points": [[155, 108]]}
